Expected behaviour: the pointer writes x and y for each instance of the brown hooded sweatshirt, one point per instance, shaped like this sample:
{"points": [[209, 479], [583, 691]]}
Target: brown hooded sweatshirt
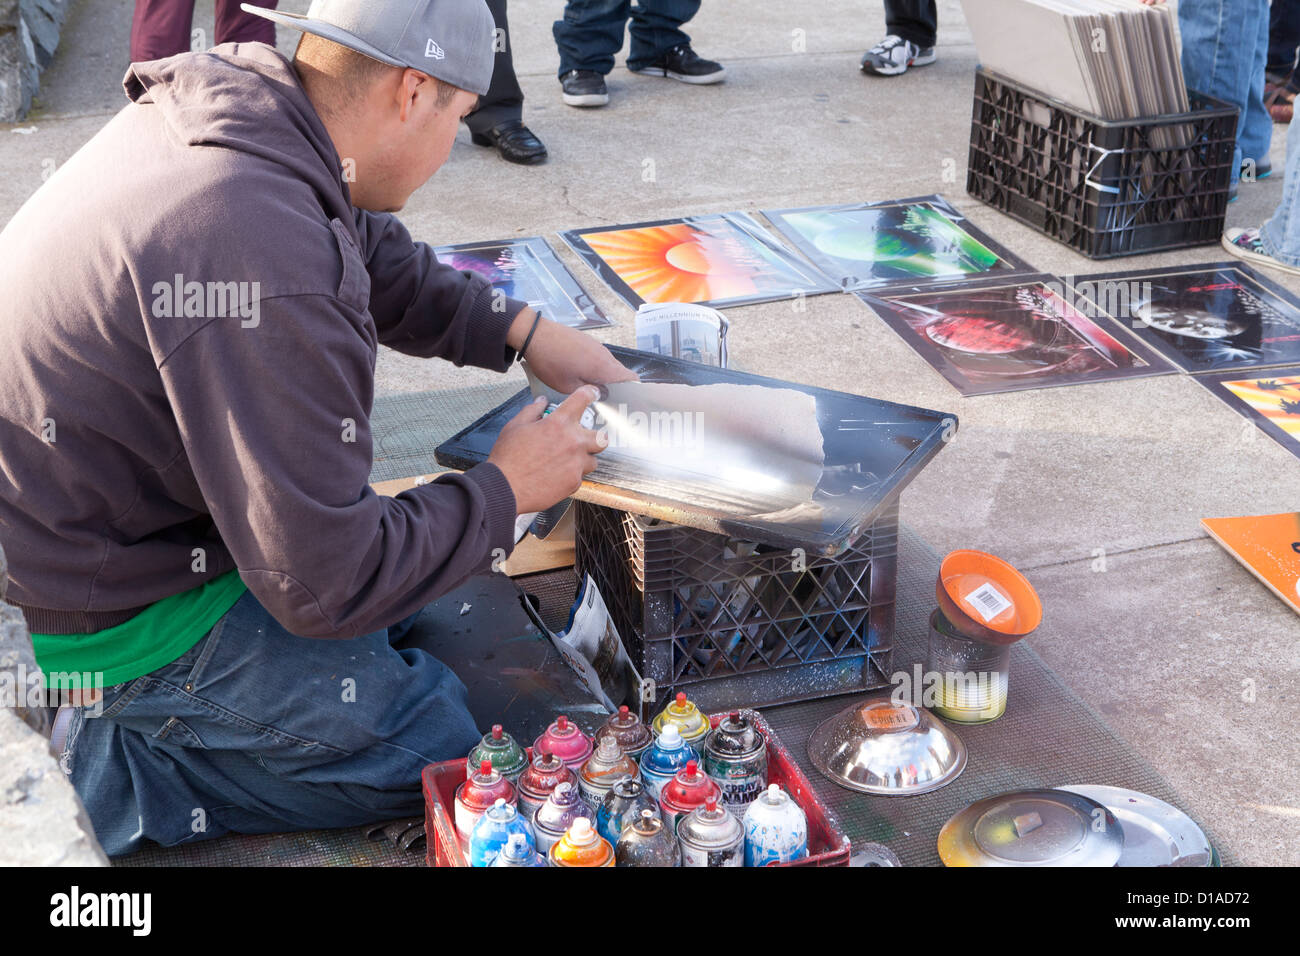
{"points": [[190, 311]]}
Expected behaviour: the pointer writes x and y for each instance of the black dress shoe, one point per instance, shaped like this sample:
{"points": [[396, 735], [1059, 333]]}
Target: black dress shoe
{"points": [[514, 141]]}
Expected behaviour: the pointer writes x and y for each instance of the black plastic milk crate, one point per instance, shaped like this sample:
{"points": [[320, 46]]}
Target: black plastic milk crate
{"points": [[1106, 188], [737, 624]]}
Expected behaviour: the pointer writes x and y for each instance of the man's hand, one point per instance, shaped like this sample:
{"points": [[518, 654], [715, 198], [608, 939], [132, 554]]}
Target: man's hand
{"points": [[564, 358], [545, 456]]}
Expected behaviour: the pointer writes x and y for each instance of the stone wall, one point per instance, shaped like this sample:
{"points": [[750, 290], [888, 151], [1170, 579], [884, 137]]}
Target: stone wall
{"points": [[42, 822], [29, 35]]}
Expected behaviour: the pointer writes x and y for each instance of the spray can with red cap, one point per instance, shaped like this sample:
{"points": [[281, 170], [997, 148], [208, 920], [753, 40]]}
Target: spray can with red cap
{"points": [[690, 788], [626, 727], [710, 836], [689, 720], [735, 757], [541, 777], [564, 739], [475, 795], [507, 757]]}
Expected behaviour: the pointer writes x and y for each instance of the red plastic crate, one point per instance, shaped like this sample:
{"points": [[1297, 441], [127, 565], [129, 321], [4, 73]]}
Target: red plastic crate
{"points": [[827, 844]]}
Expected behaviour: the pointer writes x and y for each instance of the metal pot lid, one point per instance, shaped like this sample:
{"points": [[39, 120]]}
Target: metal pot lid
{"points": [[1155, 833], [1033, 828], [873, 854], [886, 748]]}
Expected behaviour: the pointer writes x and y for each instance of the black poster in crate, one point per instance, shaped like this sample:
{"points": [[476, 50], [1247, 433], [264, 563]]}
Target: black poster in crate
{"points": [[871, 450]]}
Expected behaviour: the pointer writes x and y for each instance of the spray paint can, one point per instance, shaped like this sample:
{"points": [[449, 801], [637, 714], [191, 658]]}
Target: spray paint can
{"points": [[776, 829], [710, 836], [668, 754], [567, 742], [582, 846], [623, 804], [603, 769], [735, 757], [518, 851], [475, 795], [537, 782], [647, 841], [689, 720], [505, 753], [626, 727], [493, 830], [555, 816], [690, 788]]}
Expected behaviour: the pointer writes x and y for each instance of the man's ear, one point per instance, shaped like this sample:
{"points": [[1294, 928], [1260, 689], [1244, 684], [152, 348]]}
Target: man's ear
{"points": [[413, 85]]}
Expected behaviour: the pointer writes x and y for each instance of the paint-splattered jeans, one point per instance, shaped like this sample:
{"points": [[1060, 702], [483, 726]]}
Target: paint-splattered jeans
{"points": [[255, 730]]}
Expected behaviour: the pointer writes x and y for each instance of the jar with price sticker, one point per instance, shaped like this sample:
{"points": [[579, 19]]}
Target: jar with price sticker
{"points": [[969, 677]]}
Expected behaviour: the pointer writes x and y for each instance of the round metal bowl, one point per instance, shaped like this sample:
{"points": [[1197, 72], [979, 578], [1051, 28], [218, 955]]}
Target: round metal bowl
{"points": [[1032, 828], [1155, 833], [885, 748]]}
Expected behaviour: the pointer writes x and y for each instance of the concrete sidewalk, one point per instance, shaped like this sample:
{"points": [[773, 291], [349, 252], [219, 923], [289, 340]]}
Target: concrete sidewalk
{"points": [[1095, 491]]}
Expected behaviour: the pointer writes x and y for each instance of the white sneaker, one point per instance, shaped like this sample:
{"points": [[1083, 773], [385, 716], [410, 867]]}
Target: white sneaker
{"points": [[893, 55], [1246, 244]]}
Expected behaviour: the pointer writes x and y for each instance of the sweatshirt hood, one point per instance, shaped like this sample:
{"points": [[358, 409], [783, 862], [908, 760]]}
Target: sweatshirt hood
{"points": [[245, 97]]}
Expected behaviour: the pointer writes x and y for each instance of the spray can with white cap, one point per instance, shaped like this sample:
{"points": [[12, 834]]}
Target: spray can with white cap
{"points": [[493, 830], [776, 829], [668, 754], [582, 846]]}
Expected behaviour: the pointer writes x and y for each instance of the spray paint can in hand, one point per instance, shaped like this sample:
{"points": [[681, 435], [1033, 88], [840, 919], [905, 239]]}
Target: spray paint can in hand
{"points": [[603, 768], [710, 836], [691, 788], [557, 814], [647, 841], [623, 804], [475, 795], [776, 829], [668, 754], [689, 720], [518, 851], [626, 727], [582, 846], [493, 830], [735, 757], [567, 742], [537, 782], [503, 751]]}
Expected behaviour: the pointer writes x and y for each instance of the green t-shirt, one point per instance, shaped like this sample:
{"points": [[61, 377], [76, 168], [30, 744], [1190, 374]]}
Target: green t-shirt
{"points": [[155, 637]]}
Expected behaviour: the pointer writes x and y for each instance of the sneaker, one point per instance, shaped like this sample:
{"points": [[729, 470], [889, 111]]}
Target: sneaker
{"points": [[1246, 244], [893, 55], [683, 63], [584, 88]]}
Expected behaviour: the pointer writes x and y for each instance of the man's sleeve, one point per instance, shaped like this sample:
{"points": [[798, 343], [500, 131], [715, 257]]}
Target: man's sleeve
{"points": [[274, 420], [422, 307]]}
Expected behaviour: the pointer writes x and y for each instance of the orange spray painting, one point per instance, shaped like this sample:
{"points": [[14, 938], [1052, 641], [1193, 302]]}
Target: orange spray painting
{"points": [[1271, 399]]}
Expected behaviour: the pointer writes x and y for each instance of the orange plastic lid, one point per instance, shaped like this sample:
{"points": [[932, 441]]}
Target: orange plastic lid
{"points": [[991, 592]]}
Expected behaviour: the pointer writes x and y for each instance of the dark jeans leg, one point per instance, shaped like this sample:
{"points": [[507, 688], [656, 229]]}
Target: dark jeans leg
{"points": [[1283, 36], [504, 99], [916, 21], [236, 26], [656, 29], [256, 730], [160, 28], [590, 33]]}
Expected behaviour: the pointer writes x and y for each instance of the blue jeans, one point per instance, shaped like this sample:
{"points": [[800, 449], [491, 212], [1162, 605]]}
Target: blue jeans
{"points": [[255, 730], [591, 32], [1281, 234], [1225, 46]]}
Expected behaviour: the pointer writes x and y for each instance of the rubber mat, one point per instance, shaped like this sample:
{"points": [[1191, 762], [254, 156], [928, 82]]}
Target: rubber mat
{"points": [[1048, 736]]}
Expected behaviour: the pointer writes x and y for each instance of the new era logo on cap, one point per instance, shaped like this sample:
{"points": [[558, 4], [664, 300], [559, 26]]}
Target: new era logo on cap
{"points": [[432, 49]]}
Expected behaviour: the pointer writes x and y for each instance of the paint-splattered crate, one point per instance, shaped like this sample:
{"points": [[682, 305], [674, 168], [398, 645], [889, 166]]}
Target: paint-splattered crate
{"points": [[827, 844], [737, 624]]}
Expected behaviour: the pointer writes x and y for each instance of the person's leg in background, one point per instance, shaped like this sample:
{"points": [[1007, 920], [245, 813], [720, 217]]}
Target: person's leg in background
{"points": [[255, 730], [499, 119], [160, 28], [1276, 244], [587, 36], [1283, 39], [235, 26], [661, 48], [1225, 44], [911, 28]]}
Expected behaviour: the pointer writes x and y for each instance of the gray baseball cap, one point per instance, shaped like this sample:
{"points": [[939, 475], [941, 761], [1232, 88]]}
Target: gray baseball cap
{"points": [[448, 39]]}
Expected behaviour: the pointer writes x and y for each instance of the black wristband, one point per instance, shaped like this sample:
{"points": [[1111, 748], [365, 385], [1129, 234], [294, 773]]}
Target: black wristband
{"points": [[524, 348]]}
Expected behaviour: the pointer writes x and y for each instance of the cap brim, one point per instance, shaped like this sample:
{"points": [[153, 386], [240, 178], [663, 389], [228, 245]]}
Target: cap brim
{"points": [[328, 31]]}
